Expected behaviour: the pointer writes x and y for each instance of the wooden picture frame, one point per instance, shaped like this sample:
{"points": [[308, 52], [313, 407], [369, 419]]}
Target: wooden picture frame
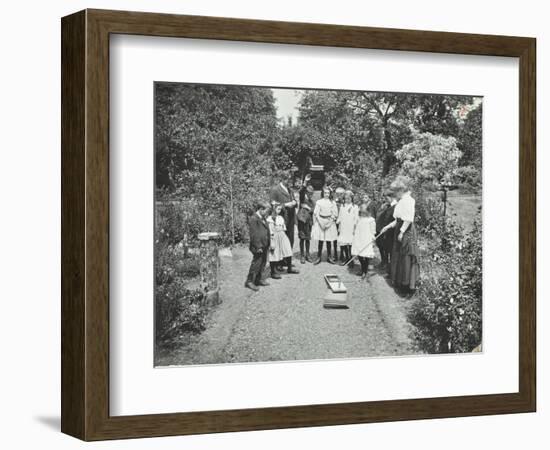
{"points": [[85, 224]]}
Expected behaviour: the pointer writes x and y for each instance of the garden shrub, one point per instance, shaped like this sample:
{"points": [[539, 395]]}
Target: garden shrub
{"points": [[469, 178], [429, 211], [204, 196], [178, 309], [447, 312], [173, 222]]}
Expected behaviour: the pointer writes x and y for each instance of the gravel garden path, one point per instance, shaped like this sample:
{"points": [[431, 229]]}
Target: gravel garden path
{"points": [[286, 320]]}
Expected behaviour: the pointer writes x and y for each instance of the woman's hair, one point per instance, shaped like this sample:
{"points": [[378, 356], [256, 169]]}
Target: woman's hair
{"points": [[400, 184]]}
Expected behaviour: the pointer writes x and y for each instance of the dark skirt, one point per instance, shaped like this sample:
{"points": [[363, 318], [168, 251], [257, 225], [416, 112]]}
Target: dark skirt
{"points": [[304, 230], [405, 270]]}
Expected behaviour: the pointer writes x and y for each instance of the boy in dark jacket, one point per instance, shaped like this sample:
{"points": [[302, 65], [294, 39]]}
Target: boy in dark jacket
{"points": [[385, 242], [260, 239]]}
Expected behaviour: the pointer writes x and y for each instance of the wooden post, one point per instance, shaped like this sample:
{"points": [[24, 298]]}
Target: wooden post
{"points": [[232, 211], [209, 263], [185, 246]]}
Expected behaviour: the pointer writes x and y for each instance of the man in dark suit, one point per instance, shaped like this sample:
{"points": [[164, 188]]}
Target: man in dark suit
{"points": [[282, 193], [260, 239]]}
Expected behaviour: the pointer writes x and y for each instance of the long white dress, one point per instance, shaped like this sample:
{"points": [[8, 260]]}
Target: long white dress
{"points": [[347, 218], [325, 215], [365, 231], [279, 239]]}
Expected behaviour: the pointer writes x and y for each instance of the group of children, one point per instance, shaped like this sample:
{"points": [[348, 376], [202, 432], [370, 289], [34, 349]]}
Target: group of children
{"points": [[336, 222], [341, 222]]}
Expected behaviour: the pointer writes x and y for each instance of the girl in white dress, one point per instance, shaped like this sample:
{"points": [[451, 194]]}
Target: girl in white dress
{"points": [[347, 218], [324, 229], [280, 249], [363, 238]]}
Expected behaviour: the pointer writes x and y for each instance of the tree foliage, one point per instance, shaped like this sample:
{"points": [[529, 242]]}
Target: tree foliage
{"points": [[327, 130], [440, 114], [431, 160], [199, 124], [215, 145], [336, 127], [470, 139]]}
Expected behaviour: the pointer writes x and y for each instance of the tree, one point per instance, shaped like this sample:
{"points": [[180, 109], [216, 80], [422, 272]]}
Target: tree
{"points": [[215, 148], [342, 125], [470, 138], [439, 114], [431, 160], [326, 131], [198, 123], [393, 116], [385, 115]]}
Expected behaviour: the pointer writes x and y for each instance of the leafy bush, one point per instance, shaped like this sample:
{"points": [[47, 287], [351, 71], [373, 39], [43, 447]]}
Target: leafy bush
{"points": [[207, 196], [429, 212], [469, 178], [430, 159], [178, 309], [448, 311], [173, 222]]}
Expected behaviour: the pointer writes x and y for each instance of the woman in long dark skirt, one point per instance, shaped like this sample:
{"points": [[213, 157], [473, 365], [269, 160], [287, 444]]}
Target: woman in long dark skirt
{"points": [[404, 270]]}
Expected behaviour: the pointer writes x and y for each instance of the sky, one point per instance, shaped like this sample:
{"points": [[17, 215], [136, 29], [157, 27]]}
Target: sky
{"points": [[286, 102]]}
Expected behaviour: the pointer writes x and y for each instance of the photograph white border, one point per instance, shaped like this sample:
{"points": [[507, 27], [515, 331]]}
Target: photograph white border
{"points": [[136, 387]]}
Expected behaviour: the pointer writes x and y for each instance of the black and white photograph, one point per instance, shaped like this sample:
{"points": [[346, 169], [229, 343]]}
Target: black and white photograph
{"points": [[296, 224], [269, 225]]}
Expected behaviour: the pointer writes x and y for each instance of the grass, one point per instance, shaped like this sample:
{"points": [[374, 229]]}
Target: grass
{"points": [[463, 208]]}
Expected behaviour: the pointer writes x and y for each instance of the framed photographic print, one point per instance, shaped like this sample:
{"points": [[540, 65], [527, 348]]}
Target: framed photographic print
{"points": [[271, 224]]}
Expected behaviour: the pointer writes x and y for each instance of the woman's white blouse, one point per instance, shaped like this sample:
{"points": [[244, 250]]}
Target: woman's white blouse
{"points": [[404, 209]]}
